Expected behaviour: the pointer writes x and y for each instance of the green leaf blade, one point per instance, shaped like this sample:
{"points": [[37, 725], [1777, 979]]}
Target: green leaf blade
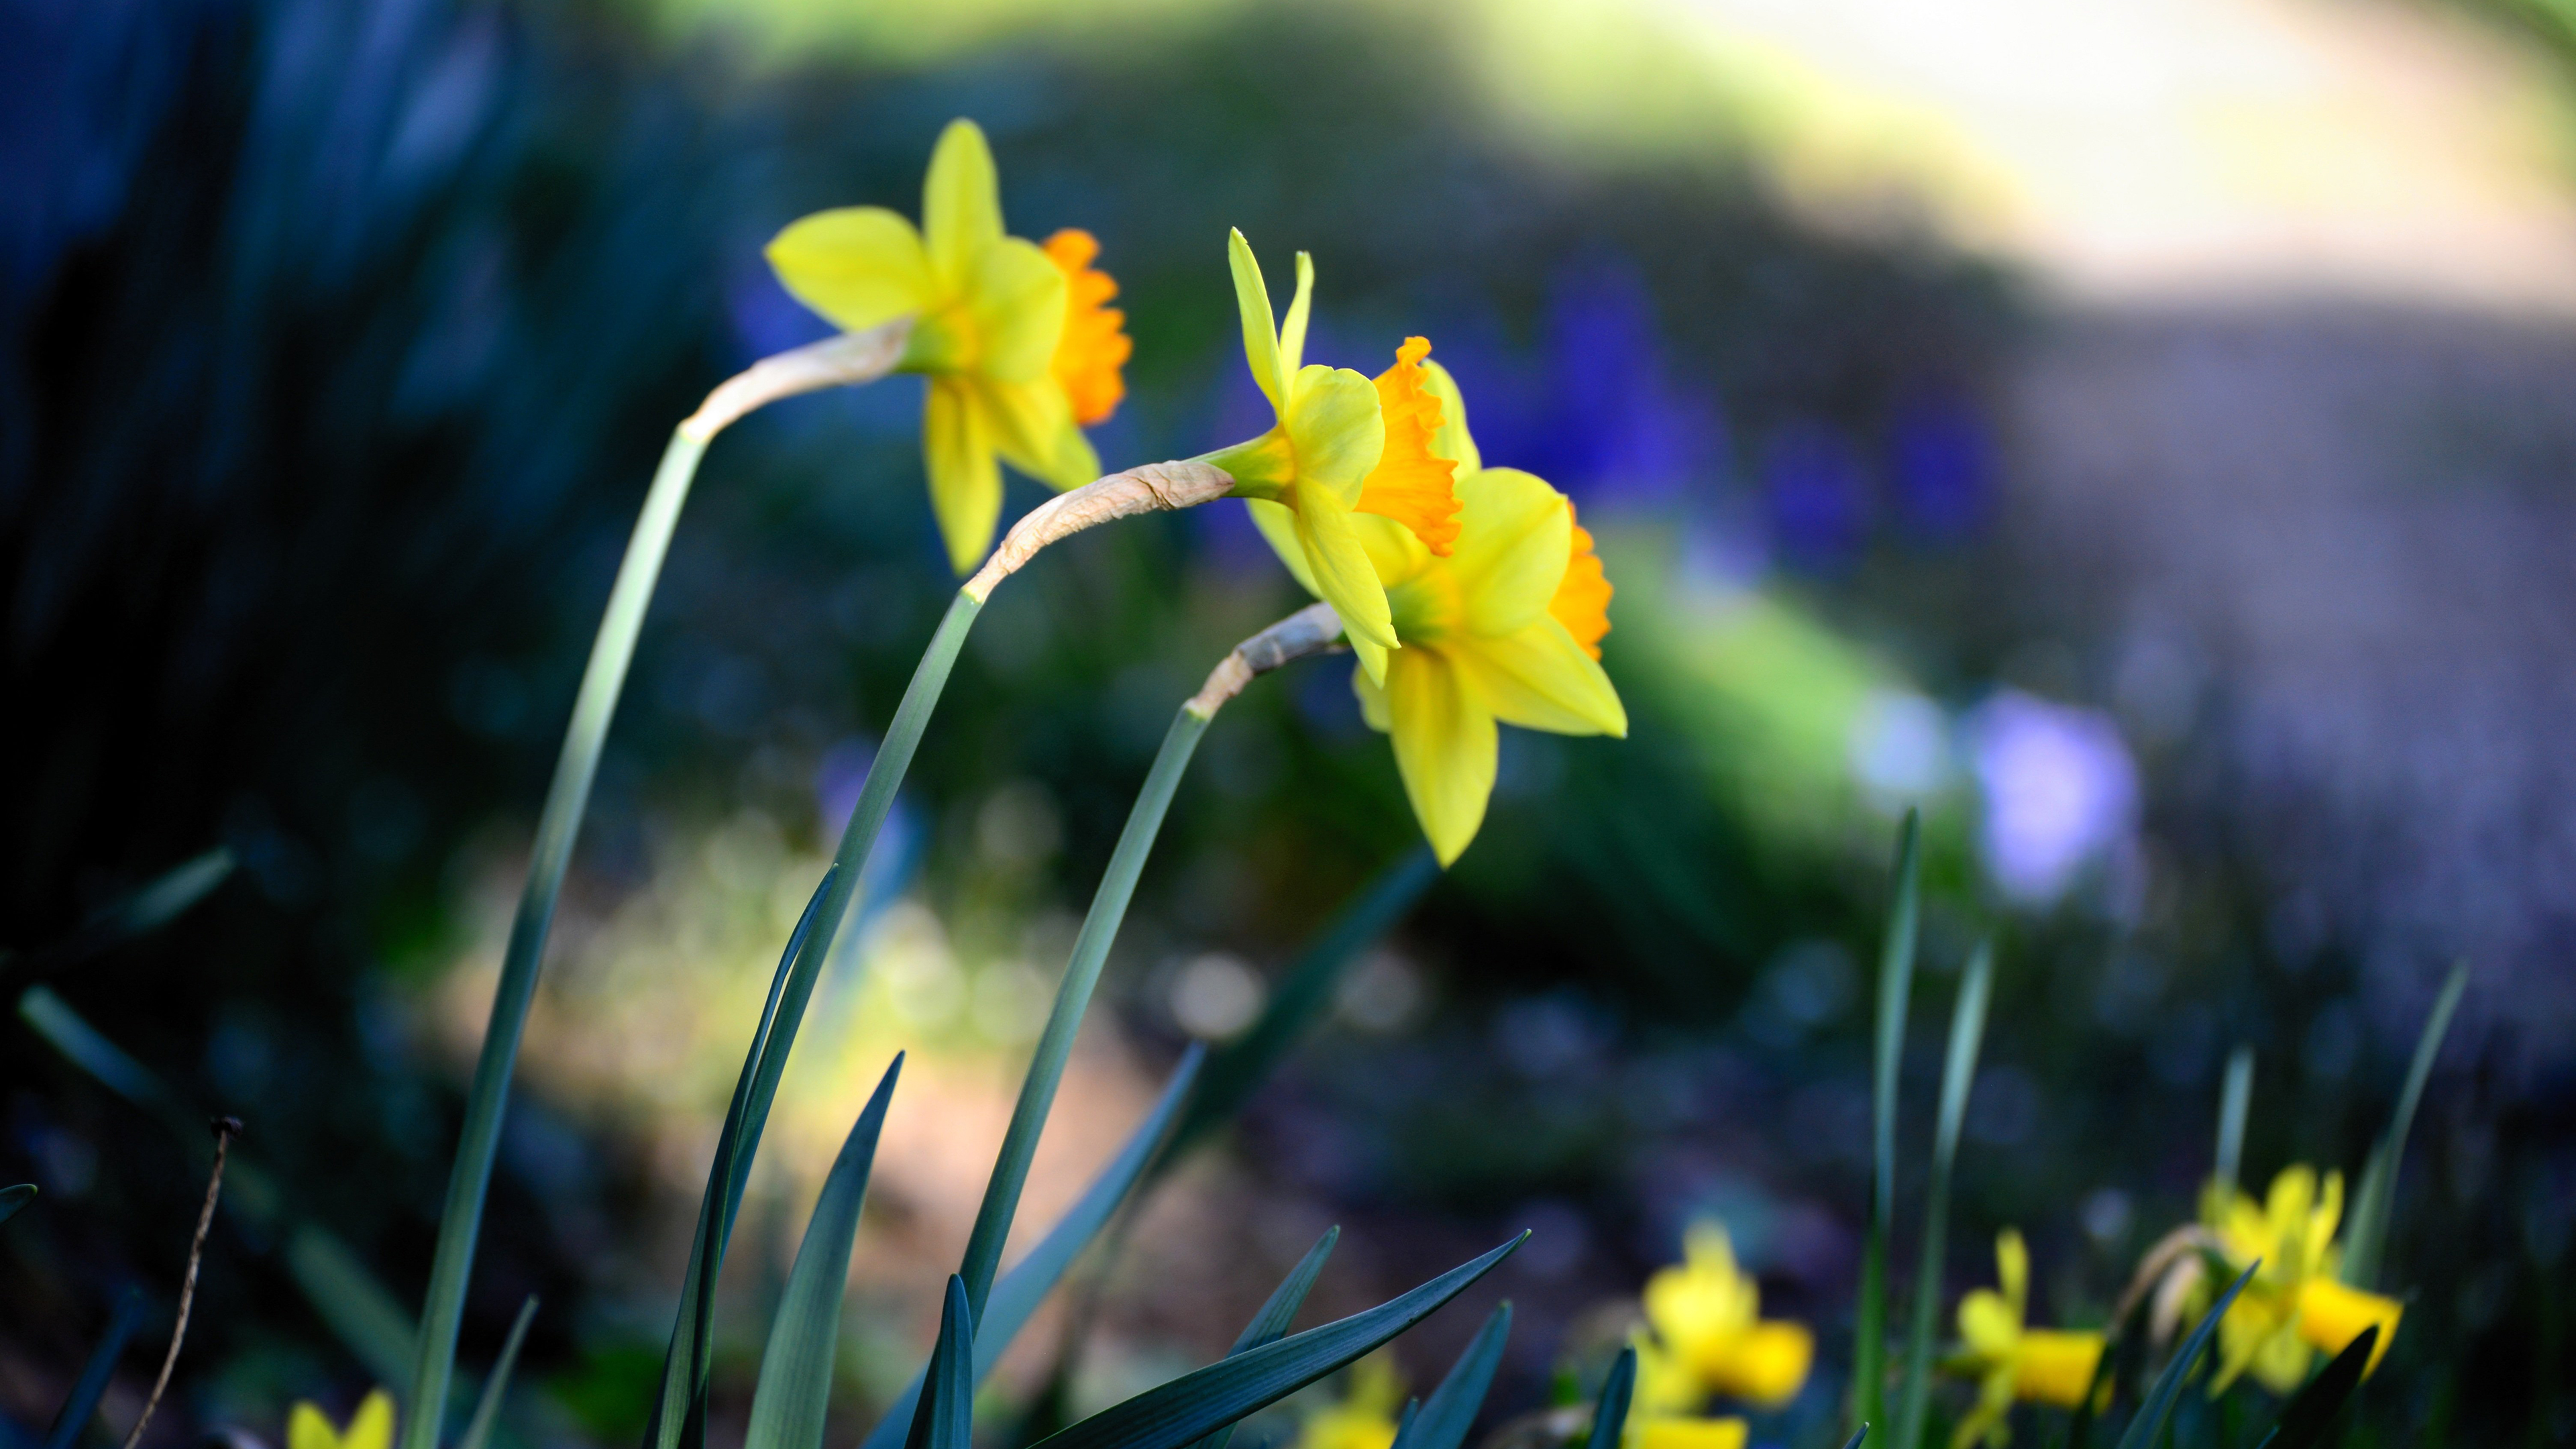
{"points": [[795, 1386], [1610, 1414], [1958, 1075], [2158, 1404], [1270, 1324], [1452, 1408], [2375, 1202], [1198, 1403], [487, 1410], [1895, 991]]}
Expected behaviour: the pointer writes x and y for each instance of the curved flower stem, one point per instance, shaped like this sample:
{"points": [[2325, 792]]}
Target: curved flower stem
{"points": [[836, 361], [1312, 630]]}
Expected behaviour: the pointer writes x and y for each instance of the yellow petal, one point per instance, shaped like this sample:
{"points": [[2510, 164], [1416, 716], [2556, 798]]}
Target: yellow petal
{"points": [[1540, 679], [1278, 525], [2056, 1366], [1444, 748], [1034, 431], [373, 1425], [1344, 577], [1016, 297], [1371, 655], [2332, 1315], [1260, 333], [1663, 1433], [1334, 425], [1451, 439], [965, 480], [961, 204], [2012, 1271], [1515, 537], [1292, 332], [307, 1429], [1395, 551], [857, 266], [1372, 696], [1767, 1363], [1990, 1325]]}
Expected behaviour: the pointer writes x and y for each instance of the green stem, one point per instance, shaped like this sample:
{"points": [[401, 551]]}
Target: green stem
{"points": [[462, 1219], [1895, 991], [1073, 996], [1958, 1073]]}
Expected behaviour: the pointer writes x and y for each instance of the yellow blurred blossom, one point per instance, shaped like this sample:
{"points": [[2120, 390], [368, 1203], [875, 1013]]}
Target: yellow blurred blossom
{"points": [[2295, 1305], [1709, 1337], [2011, 1360], [1015, 367], [372, 1427], [1365, 1416]]}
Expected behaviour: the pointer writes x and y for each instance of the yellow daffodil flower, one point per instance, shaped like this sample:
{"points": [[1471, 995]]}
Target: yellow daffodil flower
{"points": [[2295, 1306], [1500, 613], [372, 1427], [1342, 448], [1365, 1418], [2011, 1361], [1709, 1336], [1020, 349], [1685, 1432]]}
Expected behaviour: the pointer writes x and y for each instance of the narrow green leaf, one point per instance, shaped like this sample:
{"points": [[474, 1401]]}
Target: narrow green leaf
{"points": [[946, 1419], [139, 913], [1857, 1435], [1277, 1312], [14, 1198], [558, 825], [359, 1310], [678, 1411], [67, 1032], [1958, 1073], [1194, 1404], [2376, 1200], [1026, 1286], [2312, 1410], [1303, 995], [795, 1389], [487, 1410], [1072, 998], [1610, 1414], [2233, 1103], [2158, 1405], [1452, 1408], [1895, 991], [82, 1401]]}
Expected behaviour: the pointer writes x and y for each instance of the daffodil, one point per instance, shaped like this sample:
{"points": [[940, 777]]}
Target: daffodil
{"points": [[1709, 1336], [372, 1427], [1342, 449], [1019, 346], [2294, 1306], [1500, 612], [2012, 1361], [1364, 1418]]}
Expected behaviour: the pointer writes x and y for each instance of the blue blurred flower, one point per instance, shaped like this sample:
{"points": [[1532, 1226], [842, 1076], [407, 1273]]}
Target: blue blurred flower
{"points": [[1819, 505], [2060, 789]]}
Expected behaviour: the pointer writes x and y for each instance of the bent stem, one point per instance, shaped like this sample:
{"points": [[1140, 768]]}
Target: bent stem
{"points": [[855, 358], [1311, 630]]}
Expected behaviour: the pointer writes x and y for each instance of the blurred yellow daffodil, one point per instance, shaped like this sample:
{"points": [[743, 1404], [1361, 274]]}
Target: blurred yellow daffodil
{"points": [[1342, 448], [1364, 1418], [1016, 340], [1709, 1336], [1685, 1431], [2011, 1361], [372, 1427], [1500, 615], [2295, 1305]]}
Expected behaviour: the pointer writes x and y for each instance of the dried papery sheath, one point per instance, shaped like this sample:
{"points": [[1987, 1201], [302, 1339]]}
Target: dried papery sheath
{"points": [[843, 360], [1149, 488], [1312, 630]]}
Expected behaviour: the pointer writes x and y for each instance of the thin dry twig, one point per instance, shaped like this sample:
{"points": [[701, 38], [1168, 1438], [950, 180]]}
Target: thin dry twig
{"points": [[225, 1129]]}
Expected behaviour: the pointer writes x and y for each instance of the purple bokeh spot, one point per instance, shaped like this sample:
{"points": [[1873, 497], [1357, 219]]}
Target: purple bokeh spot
{"points": [[2060, 790], [1941, 460], [1819, 507]]}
